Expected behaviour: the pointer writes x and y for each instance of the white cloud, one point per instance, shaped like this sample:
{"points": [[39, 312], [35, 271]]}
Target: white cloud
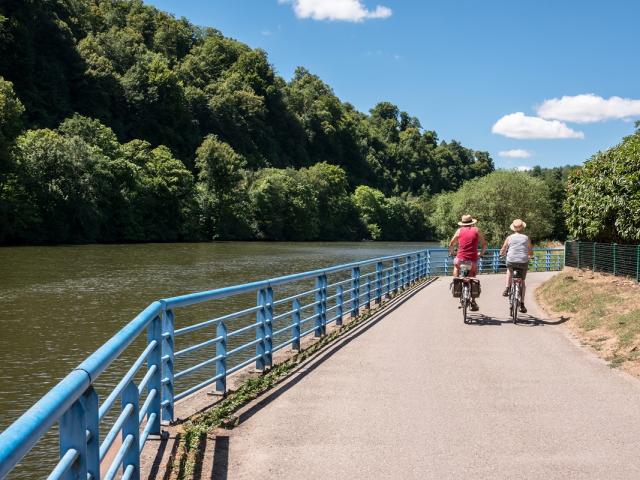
{"points": [[518, 125], [266, 33], [516, 153], [342, 10], [588, 108], [523, 168]]}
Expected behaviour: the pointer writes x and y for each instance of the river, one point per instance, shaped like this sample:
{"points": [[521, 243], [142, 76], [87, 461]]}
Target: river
{"points": [[58, 304]]}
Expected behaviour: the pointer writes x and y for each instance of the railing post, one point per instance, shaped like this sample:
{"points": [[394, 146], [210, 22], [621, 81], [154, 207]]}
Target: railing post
{"points": [[379, 283], [131, 426], [578, 254], [446, 265], [355, 292], [154, 334], [339, 303], [593, 257], [494, 261], [264, 316], [91, 409], [260, 330], [367, 292], [535, 262], [388, 275], [168, 328], [321, 305], [221, 358], [407, 267], [268, 339], [428, 263], [396, 274], [547, 256], [73, 427], [615, 259], [480, 264], [296, 317]]}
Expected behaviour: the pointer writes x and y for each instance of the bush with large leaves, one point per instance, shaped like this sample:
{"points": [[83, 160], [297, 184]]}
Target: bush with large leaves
{"points": [[603, 199]]}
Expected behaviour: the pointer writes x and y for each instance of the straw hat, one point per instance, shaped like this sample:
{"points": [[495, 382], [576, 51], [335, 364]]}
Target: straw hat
{"points": [[467, 220], [517, 225]]}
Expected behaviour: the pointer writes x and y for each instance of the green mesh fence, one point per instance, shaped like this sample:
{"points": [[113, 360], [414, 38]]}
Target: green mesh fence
{"points": [[611, 258]]}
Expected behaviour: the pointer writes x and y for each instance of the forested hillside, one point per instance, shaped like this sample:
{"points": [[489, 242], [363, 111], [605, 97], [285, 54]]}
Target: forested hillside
{"points": [[119, 122]]}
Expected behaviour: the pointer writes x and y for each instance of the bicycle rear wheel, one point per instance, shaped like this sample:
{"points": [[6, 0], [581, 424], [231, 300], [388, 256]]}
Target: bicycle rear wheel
{"points": [[515, 303], [465, 302]]}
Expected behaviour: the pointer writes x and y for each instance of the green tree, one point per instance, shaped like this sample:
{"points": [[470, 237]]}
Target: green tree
{"points": [[162, 196], [370, 204], [603, 198], [157, 105], [222, 191], [11, 112], [496, 200], [336, 212], [59, 192], [284, 205]]}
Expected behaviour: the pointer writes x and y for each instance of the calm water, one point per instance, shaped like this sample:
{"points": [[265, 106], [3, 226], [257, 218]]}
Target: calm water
{"points": [[59, 304]]}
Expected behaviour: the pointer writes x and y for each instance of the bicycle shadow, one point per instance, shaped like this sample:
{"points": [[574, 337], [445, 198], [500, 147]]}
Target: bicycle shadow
{"points": [[524, 319]]}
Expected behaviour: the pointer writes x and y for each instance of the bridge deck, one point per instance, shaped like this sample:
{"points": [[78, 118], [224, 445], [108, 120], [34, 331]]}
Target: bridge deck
{"points": [[421, 395]]}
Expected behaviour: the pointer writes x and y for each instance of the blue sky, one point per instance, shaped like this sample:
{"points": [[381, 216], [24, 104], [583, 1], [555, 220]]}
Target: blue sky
{"points": [[461, 66]]}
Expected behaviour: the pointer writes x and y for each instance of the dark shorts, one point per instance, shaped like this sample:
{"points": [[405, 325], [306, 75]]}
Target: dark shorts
{"points": [[523, 267]]}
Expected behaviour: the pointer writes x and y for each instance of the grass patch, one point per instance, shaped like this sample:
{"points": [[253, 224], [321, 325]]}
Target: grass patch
{"points": [[628, 326], [605, 312]]}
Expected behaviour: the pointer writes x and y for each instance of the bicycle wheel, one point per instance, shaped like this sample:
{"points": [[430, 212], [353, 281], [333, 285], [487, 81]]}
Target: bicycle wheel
{"points": [[465, 302], [515, 303]]}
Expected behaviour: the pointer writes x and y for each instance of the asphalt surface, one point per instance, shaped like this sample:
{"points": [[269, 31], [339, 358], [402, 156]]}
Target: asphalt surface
{"points": [[421, 395]]}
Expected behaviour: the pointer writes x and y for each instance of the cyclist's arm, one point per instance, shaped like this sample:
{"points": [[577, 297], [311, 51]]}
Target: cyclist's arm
{"points": [[505, 247], [453, 241], [483, 242]]}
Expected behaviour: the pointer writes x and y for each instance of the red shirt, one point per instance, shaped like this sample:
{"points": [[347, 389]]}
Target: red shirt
{"points": [[468, 243]]}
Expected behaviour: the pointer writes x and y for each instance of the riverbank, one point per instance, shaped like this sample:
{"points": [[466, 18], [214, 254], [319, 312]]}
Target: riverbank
{"points": [[603, 311]]}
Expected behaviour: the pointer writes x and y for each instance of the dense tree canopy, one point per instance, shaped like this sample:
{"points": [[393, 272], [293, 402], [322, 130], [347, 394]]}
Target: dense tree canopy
{"points": [[496, 200], [603, 200], [161, 130]]}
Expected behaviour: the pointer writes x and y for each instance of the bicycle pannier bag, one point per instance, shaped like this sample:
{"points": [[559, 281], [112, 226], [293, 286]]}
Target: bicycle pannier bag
{"points": [[456, 287], [475, 287]]}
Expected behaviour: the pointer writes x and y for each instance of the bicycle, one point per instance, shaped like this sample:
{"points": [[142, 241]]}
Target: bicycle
{"points": [[465, 297], [515, 294]]}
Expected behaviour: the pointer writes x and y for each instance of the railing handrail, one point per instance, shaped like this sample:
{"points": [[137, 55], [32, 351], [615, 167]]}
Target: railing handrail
{"points": [[199, 297], [20, 436]]}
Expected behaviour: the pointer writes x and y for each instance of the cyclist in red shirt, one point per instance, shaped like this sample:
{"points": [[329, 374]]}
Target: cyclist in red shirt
{"points": [[468, 236]]}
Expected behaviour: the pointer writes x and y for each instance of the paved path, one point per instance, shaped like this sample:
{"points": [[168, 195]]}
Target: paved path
{"points": [[420, 395]]}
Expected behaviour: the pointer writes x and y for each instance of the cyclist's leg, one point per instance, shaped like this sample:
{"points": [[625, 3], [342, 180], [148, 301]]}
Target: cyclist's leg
{"points": [[472, 273], [456, 266], [474, 269], [525, 267], [505, 293]]}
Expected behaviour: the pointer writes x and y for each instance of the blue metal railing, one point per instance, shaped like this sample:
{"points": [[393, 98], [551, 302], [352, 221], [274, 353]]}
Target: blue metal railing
{"points": [[147, 392]]}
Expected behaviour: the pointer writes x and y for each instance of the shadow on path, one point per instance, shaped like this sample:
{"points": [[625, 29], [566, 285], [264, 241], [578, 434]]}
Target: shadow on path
{"points": [[524, 319]]}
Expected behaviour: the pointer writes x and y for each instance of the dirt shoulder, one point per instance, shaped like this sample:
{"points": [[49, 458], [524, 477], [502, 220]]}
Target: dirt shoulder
{"points": [[603, 311]]}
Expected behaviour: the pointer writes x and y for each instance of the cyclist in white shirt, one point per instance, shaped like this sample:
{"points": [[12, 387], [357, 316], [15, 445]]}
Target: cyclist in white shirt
{"points": [[518, 249]]}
